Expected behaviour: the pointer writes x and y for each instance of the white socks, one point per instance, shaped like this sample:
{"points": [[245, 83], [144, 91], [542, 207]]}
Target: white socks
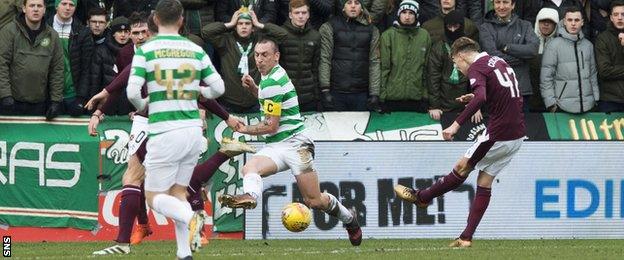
{"points": [[172, 207], [182, 240], [181, 213], [337, 210], [252, 184]]}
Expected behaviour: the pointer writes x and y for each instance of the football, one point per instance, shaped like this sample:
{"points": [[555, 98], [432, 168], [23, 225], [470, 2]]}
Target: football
{"points": [[296, 217]]}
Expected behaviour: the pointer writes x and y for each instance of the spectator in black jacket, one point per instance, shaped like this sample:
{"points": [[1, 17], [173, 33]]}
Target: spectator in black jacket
{"points": [[300, 55], [78, 47], [320, 10], [266, 10], [103, 67]]}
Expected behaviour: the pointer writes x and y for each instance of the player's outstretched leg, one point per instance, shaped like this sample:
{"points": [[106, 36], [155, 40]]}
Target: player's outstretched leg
{"points": [[204, 171], [477, 209], [347, 216], [258, 166], [452, 181]]}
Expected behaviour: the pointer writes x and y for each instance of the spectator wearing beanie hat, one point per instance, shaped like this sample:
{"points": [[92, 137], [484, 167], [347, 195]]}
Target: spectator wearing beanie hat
{"points": [[349, 71], [404, 54], [445, 81], [234, 41], [435, 25], [103, 68], [77, 45]]}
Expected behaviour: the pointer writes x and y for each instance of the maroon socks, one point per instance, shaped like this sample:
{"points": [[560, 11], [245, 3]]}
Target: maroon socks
{"points": [[447, 183], [128, 210], [477, 209], [201, 174]]}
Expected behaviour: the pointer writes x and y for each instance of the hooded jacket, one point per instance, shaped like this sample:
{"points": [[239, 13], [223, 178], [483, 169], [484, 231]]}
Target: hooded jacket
{"points": [[8, 10], [521, 42], [536, 102], [610, 64], [30, 71], [569, 78], [435, 27], [356, 68], [404, 55], [546, 14]]}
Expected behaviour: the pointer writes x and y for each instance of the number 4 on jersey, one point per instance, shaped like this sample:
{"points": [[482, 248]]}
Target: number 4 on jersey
{"points": [[505, 79]]}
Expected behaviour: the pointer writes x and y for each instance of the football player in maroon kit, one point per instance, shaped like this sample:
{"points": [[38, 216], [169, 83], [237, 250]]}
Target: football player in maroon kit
{"points": [[493, 84]]}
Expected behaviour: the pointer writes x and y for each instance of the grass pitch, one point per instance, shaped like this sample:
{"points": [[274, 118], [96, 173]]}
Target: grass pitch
{"points": [[385, 249]]}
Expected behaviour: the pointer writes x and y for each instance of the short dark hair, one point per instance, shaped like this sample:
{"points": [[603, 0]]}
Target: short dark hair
{"points": [[269, 41], [151, 25], [97, 11], [169, 11], [615, 4], [464, 44], [137, 18], [297, 3], [571, 9]]}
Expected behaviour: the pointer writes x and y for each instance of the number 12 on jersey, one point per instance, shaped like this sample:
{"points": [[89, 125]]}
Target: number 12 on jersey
{"points": [[508, 79]]}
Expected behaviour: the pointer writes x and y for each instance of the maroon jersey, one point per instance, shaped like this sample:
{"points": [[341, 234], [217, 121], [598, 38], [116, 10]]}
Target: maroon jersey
{"points": [[494, 83]]}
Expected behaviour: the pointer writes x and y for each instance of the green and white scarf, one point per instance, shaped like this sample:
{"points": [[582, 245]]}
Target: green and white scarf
{"points": [[243, 64]]}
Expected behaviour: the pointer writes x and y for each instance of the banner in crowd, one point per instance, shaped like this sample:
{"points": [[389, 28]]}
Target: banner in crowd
{"points": [[549, 190], [588, 126], [47, 173]]}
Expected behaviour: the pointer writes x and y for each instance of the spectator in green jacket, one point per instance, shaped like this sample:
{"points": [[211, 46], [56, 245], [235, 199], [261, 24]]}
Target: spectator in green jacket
{"points": [[8, 10], [234, 42], [300, 54], [610, 61], [31, 65], [435, 26], [404, 54], [349, 71]]}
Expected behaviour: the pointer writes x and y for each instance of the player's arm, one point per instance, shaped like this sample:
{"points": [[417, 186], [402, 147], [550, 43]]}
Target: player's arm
{"points": [[136, 81], [473, 106], [269, 125], [215, 85]]}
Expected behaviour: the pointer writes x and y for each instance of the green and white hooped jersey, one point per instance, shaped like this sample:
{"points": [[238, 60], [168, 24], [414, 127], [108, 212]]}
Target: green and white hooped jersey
{"points": [[172, 66], [277, 97]]}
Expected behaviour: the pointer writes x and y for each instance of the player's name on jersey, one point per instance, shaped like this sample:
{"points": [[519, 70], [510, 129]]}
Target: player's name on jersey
{"points": [[173, 53]]}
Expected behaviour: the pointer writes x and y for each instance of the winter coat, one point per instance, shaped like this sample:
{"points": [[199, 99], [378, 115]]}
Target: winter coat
{"points": [[522, 44], [356, 68], [470, 8], [103, 67], [8, 10], [527, 9], [536, 102], [266, 10], [30, 71], [442, 92], [569, 78], [610, 64], [435, 27], [224, 41], [80, 55], [404, 55], [299, 55]]}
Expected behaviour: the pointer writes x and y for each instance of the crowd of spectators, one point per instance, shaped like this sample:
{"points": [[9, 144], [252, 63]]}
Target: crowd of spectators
{"points": [[342, 55]]}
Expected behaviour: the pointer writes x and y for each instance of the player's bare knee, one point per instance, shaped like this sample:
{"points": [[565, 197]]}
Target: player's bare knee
{"points": [[247, 168], [463, 168], [306, 155]]}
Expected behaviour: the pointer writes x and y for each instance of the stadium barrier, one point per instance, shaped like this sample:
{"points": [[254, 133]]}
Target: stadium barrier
{"points": [[49, 170]]}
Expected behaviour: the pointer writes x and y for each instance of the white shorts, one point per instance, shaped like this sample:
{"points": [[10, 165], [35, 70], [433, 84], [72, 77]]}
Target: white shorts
{"points": [[492, 156], [295, 153], [171, 158], [138, 134]]}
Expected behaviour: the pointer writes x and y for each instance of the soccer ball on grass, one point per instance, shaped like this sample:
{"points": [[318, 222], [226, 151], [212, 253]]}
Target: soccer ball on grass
{"points": [[296, 217]]}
